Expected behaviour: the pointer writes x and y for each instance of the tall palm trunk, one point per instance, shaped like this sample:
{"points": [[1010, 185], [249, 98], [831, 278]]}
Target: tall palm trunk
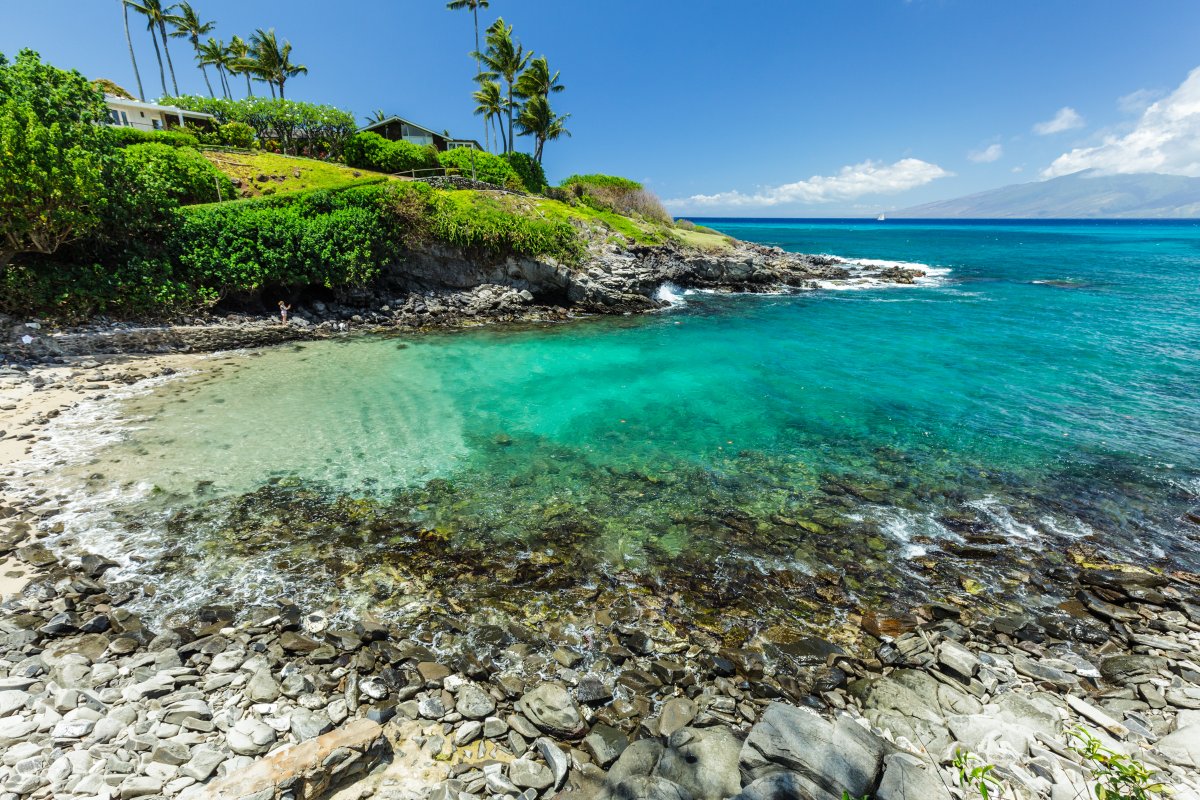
{"points": [[224, 82], [272, 85], [162, 29], [249, 88], [508, 144], [203, 70], [162, 76], [132, 57], [479, 67], [281, 97]]}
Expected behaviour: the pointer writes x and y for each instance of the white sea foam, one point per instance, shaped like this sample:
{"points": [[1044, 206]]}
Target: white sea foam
{"points": [[671, 294], [999, 515], [904, 526], [930, 275]]}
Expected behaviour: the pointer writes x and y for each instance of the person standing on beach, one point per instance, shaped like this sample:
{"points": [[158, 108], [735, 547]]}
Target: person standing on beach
{"points": [[283, 309]]}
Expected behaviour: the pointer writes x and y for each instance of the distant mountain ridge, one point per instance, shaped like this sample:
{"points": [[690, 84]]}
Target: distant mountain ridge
{"points": [[1087, 195]]}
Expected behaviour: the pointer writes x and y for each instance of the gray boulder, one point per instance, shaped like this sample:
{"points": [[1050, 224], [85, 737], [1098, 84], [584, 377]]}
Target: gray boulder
{"points": [[646, 787], [552, 710], [473, 702], [906, 777], [1182, 747], [640, 758], [841, 756], [784, 786], [704, 761]]}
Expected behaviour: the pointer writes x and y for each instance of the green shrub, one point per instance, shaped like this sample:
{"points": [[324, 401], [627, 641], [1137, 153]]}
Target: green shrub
{"points": [[489, 168], [123, 137], [528, 170], [368, 150], [332, 239], [596, 180], [52, 155], [237, 134], [622, 195], [187, 176]]}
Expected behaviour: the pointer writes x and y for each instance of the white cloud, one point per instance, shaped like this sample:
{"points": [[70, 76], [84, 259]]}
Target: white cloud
{"points": [[1066, 119], [1136, 102], [1166, 139], [987, 155], [852, 182]]}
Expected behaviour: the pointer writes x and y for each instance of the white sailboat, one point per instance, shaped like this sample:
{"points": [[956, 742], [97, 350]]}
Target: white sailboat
{"points": [[881, 218]]}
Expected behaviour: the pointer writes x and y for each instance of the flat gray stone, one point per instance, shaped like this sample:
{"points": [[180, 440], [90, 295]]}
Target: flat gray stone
{"points": [[704, 761], [605, 743], [473, 702], [905, 776], [528, 774], [551, 708], [840, 756]]}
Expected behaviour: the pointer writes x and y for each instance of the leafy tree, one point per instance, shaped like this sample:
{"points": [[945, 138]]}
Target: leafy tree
{"points": [[188, 25], [157, 16], [504, 59], [132, 57], [52, 187], [473, 6], [490, 106], [539, 121], [237, 134]]}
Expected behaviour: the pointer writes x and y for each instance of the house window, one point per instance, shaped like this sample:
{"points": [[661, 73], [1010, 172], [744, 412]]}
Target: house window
{"points": [[114, 117], [157, 124]]}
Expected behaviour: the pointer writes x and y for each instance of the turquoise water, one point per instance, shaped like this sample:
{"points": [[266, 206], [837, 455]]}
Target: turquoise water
{"points": [[832, 449]]}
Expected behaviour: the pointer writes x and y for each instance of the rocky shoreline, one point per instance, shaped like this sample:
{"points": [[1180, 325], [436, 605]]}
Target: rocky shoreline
{"points": [[623, 700], [439, 287], [284, 702]]}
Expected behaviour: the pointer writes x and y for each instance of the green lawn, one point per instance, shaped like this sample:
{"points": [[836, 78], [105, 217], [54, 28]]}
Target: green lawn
{"points": [[284, 174]]}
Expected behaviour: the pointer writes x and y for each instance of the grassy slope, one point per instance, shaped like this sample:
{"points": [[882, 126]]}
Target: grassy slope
{"points": [[314, 174]]}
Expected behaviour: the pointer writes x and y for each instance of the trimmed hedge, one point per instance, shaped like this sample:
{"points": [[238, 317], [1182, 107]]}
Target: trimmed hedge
{"points": [[368, 150], [489, 168], [123, 137], [184, 175]]}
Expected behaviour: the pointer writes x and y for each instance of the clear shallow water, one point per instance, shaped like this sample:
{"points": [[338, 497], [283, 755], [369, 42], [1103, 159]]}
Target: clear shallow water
{"points": [[775, 455]]}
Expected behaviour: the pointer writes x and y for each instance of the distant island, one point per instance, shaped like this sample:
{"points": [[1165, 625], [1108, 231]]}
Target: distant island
{"points": [[1081, 195]]}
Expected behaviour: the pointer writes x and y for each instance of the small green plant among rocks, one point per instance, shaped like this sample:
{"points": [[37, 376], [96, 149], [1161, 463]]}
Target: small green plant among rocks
{"points": [[973, 773], [1118, 777]]}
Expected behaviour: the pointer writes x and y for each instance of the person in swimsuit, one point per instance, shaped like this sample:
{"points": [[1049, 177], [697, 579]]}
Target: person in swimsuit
{"points": [[283, 309]]}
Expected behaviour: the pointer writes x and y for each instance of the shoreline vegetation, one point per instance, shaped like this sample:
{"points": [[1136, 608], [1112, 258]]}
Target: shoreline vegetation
{"points": [[605, 690]]}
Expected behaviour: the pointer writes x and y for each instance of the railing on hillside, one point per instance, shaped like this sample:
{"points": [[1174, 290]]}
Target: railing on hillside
{"points": [[412, 173]]}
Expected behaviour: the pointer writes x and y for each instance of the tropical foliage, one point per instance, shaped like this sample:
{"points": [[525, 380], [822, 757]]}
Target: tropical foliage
{"points": [[299, 128], [52, 187], [184, 175], [528, 170], [368, 150], [487, 167], [175, 138], [620, 195], [514, 88], [263, 58]]}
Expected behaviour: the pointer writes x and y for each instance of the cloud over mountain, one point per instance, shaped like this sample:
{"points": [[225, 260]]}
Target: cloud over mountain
{"points": [[1165, 140], [850, 182]]}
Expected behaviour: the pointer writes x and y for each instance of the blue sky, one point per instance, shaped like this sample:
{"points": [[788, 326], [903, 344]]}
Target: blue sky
{"points": [[751, 108]]}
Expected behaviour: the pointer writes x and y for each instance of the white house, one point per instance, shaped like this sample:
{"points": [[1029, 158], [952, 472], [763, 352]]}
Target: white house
{"points": [[151, 117], [398, 128]]}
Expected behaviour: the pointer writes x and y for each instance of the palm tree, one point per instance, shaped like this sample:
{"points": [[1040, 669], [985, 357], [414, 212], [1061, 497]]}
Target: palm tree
{"points": [[503, 59], [539, 120], [375, 116], [214, 53], [240, 61], [150, 9], [157, 17], [474, 6], [275, 61], [132, 57], [490, 107], [536, 80], [188, 25]]}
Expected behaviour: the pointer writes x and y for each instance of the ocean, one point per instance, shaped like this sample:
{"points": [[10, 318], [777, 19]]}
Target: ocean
{"points": [[1033, 404]]}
